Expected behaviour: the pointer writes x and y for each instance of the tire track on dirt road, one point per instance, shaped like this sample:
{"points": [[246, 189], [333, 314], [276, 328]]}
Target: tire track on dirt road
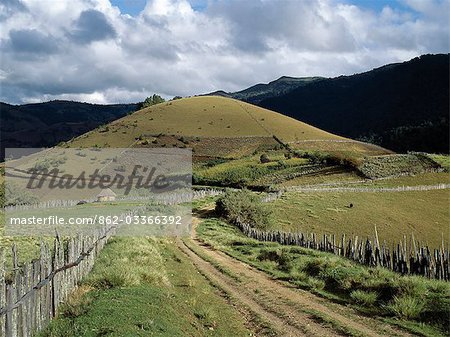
{"points": [[289, 324], [291, 311]]}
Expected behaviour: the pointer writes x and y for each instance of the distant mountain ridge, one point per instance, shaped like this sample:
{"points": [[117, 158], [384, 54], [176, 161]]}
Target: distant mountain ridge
{"points": [[47, 124], [401, 106], [258, 92]]}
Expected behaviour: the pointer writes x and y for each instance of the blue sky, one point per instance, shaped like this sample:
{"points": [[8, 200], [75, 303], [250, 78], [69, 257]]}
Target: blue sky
{"points": [[134, 7]]}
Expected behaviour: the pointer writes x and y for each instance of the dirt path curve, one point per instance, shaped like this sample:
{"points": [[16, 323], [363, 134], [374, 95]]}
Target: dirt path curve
{"points": [[289, 311]]}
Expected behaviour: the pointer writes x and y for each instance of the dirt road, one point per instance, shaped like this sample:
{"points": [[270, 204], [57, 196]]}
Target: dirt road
{"points": [[287, 310]]}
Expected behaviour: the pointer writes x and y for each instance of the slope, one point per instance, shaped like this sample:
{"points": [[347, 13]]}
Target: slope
{"points": [[400, 106], [211, 125], [47, 124], [261, 91]]}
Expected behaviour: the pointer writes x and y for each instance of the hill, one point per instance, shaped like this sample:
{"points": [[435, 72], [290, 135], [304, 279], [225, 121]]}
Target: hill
{"points": [[257, 93], [213, 126], [401, 106], [47, 124]]}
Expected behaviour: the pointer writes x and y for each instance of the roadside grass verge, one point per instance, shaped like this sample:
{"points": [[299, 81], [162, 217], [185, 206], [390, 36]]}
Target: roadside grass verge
{"points": [[417, 304], [145, 287]]}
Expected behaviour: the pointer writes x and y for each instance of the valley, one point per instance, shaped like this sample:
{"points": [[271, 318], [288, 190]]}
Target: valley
{"points": [[219, 282]]}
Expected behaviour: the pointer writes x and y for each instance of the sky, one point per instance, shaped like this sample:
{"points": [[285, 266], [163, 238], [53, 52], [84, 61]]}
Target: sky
{"points": [[118, 51]]}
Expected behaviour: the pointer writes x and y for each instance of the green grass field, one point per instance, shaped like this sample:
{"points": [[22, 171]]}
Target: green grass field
{"points": [[28, 242], [247, 171], [443, 160], [145, 287], [423, 213], [414, 303]]}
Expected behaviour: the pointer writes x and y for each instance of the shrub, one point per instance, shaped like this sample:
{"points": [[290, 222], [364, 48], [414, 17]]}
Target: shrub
{"points": [[15, 195], [407, 307], [281, 257], [78, 302], [364, 298], [316, 284], [245, 206], [152, 100], [264, 159]]}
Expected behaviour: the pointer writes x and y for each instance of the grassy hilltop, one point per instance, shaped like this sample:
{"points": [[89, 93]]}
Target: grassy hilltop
{"points": [[213, 126]]}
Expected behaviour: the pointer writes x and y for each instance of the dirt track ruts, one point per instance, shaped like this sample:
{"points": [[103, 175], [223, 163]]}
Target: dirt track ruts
{"points": [[289, 311]]}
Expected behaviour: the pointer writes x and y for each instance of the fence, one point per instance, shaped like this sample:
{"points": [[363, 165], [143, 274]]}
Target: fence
{"points": [[402, 258], [166, 198], [31, 294]]}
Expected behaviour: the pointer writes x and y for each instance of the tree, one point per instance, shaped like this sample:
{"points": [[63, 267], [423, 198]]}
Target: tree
{"points": [[152, 100], [245, 206]]}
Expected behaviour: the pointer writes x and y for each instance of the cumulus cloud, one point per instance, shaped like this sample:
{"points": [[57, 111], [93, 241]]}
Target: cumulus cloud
{"points": [[31, 41], [92, 25], [88, 50]]}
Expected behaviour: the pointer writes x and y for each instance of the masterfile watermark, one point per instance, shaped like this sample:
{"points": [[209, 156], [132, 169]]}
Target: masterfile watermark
{"points": [[70, 191], [141, 177]]}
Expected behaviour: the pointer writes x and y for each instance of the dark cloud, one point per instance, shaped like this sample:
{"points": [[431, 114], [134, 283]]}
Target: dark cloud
{"points": [[9, 7], [92, 25], [32, 41]]}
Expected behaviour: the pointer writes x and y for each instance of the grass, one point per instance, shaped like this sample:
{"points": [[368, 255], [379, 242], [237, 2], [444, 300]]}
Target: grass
{"points": [[352, 149], [418, 304], [27, 247], [409, 307], [443, 160], [325, 175], [146, 287], [423, 213], [204, 117], [213, 126], [393, 165], [364, 298], [247, 171]]}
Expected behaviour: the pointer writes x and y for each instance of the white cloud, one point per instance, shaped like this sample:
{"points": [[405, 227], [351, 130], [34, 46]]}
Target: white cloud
{"points": [[172, 49]]}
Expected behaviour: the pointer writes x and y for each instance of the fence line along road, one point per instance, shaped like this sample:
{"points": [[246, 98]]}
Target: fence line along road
{"points": [[403, 258], [30, 294]]}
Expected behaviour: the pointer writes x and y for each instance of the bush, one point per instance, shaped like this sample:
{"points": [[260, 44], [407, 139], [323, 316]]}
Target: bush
{"points": [[281, 257], [406, 307], [316, 284], [15, 195], [245, 206], [264, 159], [78, 302], [364, 298], [152, 100]]}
